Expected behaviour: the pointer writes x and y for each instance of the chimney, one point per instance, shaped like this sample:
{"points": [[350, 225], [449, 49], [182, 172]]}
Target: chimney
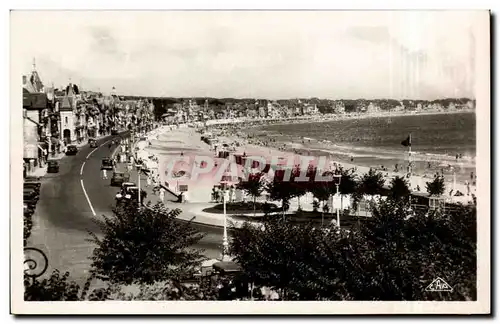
{"points": [[25, 79]]}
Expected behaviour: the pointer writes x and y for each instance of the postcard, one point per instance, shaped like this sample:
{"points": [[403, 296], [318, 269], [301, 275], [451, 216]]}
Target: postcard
{"points": [[291, 162]]}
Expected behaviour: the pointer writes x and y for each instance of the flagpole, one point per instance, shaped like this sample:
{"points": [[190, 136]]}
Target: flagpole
{"points": [[409, 167], [409, 158]]}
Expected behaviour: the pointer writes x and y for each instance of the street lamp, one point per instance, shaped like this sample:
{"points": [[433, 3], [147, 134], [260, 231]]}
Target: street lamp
{"points": [[336, 180], [225, 242], [139, 184]]}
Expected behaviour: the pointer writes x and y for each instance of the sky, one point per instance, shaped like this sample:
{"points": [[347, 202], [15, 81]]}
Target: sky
{"points": [[252, 54]]}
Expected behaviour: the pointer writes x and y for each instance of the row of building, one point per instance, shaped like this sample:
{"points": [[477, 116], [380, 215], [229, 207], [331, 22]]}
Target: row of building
{"points": [[54, 118], [189, 110]]}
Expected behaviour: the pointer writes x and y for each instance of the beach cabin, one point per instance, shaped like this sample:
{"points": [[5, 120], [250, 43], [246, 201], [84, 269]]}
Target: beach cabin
{"points": [[422, 201]]}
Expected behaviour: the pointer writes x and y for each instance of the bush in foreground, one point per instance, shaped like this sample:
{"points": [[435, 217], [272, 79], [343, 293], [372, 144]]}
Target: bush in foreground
{"points": [[394, 256], [145, 245]]}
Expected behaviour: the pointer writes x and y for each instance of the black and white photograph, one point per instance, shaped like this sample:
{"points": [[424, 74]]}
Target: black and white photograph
{"points": [[291, 162]]}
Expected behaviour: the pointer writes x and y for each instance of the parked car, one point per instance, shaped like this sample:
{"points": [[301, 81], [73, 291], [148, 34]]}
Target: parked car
{"points": [[53, 166], [30, 193], [107, 164], [71, 150], [32, 185], [125, 185], [130, 194], [119, 178], [32, 179], [93, 142], [27, 209], [30, 197]]}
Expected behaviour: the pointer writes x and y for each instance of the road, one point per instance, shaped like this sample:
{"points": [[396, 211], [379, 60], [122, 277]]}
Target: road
{"points": [[71, 201]]}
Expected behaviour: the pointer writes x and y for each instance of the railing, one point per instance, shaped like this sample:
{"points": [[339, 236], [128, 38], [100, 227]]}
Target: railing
{"points": [[32, 267]]}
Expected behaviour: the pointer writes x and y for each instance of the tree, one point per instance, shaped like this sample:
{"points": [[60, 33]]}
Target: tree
{"points": [[348, 185], [272, 255], [297, 188], [372, 183], [145, 245], [281, 190], [399, 188], [436, 187], [321, 191], [306, 263], [253, 187]]}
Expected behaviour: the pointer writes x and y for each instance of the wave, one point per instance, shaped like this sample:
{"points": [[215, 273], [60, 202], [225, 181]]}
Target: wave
{"points": [[388, 154]]}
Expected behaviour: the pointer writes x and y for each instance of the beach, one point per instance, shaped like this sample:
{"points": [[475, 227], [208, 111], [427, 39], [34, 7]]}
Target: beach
{"points": [[185, 141]]}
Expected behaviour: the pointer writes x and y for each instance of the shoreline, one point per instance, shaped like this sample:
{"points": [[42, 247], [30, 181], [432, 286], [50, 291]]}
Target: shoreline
{"points": [[255, 122], [392, 159], [188, 140]]}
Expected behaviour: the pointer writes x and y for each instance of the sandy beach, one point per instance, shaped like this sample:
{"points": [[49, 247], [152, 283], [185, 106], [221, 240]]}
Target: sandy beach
{"points": [[184, 141]]}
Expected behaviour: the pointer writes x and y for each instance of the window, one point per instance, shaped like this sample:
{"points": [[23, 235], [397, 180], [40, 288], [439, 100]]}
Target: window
{"points": [[65, 120]]}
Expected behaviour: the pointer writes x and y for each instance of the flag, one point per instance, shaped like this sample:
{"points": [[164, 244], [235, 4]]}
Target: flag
{"points": [[407, 141]]}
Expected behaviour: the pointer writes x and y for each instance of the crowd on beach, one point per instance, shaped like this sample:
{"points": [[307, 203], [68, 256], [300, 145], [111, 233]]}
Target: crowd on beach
{"points": [[305, 147]]}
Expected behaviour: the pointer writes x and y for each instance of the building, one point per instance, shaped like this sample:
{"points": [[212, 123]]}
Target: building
{"points": [[69, 119], [35, 131], [36, 122], [339, 107], [372, 108]]}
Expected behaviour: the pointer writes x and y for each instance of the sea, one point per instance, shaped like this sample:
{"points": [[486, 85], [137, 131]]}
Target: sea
{"points": [[444, 143]]}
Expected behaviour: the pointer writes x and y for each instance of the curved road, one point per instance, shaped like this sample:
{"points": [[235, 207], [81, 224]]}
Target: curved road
{"points": [[69, 203]]}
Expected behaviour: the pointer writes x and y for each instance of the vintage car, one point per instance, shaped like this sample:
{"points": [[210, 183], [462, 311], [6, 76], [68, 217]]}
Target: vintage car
{"points": [[28, 209], [52, 166], [32, 185], [93, 142], [30, 197], [126, 185], [119, 178], [129, 193], [71, 150], [107, 164]]}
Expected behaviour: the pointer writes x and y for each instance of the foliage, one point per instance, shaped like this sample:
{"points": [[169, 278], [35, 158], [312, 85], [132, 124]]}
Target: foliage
{"points": [[298, 188], [59, 288], [282, 191], [241, 206], [322, 192], [253, 186], [162, 290], [399, 188], [394, 256], [436, 187], [348, 184], [145, 245], [372, 183], [315, 205], [28, 225], [271, 256]]}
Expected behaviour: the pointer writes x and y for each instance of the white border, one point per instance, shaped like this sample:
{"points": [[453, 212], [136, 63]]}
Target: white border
{"points": [[275, 307]]}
